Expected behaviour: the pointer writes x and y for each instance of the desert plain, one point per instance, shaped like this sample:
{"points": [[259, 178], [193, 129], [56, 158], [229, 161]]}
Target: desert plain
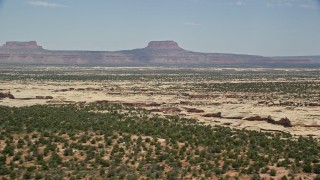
{"points": [[261, 99]]}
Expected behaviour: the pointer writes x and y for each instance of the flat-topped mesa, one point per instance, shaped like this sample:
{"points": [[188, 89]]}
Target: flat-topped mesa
{"points": [[21, 45], [163, 45]]}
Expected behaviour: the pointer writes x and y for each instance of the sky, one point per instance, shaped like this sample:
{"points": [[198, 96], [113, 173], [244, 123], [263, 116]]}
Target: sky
{"points": [[257, 27]]}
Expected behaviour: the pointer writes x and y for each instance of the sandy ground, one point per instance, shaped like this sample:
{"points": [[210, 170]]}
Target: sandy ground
{"points": [[122, 91]]}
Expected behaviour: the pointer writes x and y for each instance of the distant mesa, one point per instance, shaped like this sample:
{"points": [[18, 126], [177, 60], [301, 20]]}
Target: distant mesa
{"points": [[163, 45], [155, 53], [21, 45]]}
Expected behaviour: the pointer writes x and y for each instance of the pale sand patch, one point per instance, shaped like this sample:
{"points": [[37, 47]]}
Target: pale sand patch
{"points": [[123, 91]]}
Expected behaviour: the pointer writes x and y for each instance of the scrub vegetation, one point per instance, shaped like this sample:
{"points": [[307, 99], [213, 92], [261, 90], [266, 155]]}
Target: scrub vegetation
{"points": [[116, 142]]}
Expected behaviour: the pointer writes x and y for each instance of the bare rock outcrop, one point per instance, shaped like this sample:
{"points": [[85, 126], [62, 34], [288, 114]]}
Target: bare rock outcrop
{"points": [[154, 104], [234, 117], [312, 126], [61, 90], [185, 102], [194, 110], [6, 95], [285, 122], [40, 97], [314, 104], [48, 97], [218, 115], [44, 97], [233, 96], [287, 103], [258, 118]]}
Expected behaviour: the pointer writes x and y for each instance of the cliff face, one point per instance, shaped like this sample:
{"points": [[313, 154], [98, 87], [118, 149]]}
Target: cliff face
{"points": [[157, 52]]}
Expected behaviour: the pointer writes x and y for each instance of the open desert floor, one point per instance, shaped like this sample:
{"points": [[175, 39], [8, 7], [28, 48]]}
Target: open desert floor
{"points": [[261, 99], [66, 122]]}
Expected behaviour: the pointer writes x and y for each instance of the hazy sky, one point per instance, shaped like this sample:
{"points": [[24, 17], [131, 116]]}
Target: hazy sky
{"points": [[264, 27]]}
